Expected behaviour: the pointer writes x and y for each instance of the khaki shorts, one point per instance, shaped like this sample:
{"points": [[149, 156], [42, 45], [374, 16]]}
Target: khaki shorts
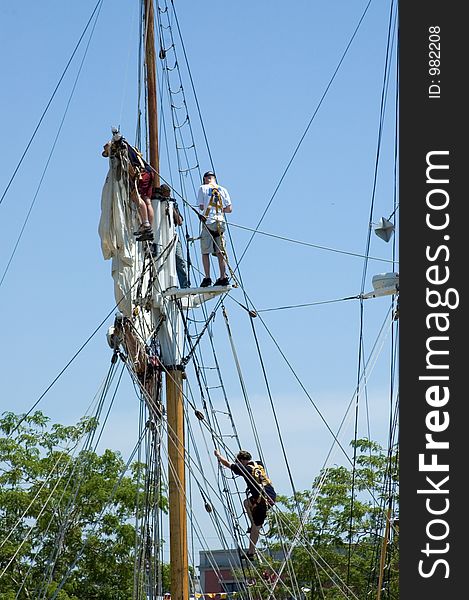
{"points": [[210, 244]]}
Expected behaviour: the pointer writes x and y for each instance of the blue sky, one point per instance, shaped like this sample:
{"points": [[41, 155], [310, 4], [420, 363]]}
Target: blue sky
{"points": [[260, 70]]}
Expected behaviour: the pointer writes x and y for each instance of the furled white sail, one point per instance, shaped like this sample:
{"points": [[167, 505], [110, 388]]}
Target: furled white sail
{"points": [[115, 229]]}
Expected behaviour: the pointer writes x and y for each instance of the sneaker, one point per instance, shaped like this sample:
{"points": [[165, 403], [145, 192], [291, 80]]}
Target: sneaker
{"points": [[143, 229], [146, 236], [221, 281], [206, 282]]}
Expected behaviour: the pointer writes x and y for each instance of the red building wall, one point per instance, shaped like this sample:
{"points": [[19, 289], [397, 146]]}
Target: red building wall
{"points": [[212, 583]]}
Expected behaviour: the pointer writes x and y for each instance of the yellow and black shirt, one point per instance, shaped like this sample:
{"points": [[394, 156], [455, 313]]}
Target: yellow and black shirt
{"points": [[256, 479]]}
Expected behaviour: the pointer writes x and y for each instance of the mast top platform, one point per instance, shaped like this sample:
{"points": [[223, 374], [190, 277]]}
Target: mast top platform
{"points": [[193, 297]]}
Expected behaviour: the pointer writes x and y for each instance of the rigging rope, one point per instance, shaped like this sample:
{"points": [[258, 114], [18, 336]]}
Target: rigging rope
{"points": [[25, 222], [97, 9], [54, 381], [361, 351], [305, 132], [329, 249]]}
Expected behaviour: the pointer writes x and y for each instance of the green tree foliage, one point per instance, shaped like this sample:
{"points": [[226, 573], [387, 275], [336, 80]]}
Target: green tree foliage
{"points": [[338, 544], [65, 511]]}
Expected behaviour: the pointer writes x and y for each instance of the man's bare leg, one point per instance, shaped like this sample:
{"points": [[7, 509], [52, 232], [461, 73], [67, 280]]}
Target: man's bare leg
{"points": [[221, 264], [253, 537], [254, 529], [149, 210], [206, 264]]}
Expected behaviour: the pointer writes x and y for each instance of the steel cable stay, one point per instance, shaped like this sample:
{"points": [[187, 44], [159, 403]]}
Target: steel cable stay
{"points": [[295, 152], [95, 11], [228, 506], [67, 365], [76, 485], [311, 245], [248, 407], [148, 532], [308, 304], [98, 520], [361, 348], [309, 508], [373, 356], [306, 545], [273, 410], [181, 487], [229, 512], [66, 451], [72, 477], [389, 484], [49, 158], [38, 549], [188, 460], [311, 399]]}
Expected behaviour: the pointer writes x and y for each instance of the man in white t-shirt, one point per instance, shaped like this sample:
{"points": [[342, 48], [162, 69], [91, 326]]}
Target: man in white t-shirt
{"points": [[214, 201]]}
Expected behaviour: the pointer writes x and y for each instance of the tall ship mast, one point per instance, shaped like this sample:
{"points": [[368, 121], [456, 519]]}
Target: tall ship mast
{"points": [[149, 326]]}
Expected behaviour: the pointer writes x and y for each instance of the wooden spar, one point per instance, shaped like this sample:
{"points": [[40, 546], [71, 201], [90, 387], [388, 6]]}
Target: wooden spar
{"points": [[179, 568], [150, 62]]}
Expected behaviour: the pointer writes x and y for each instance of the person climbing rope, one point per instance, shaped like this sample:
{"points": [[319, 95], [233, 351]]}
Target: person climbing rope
{"points": [[214, 201], [260, 489]]}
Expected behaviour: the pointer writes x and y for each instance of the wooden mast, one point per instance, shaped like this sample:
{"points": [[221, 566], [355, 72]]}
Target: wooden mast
{"points": [[150, 62], [179, 567]]}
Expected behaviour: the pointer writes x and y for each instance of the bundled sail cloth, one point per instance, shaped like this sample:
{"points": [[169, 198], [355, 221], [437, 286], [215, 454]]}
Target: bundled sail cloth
{"points": [[115, 230]]}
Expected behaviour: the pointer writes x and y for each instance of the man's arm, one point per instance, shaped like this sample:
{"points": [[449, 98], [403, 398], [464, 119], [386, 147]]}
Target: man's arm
{"points": [[200, 199], [178, 219], [227, 206], [222, 460]]}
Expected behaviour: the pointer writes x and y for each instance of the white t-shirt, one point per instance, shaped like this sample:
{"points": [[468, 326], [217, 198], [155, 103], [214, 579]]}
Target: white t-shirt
{"points": [[205, 199]]}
